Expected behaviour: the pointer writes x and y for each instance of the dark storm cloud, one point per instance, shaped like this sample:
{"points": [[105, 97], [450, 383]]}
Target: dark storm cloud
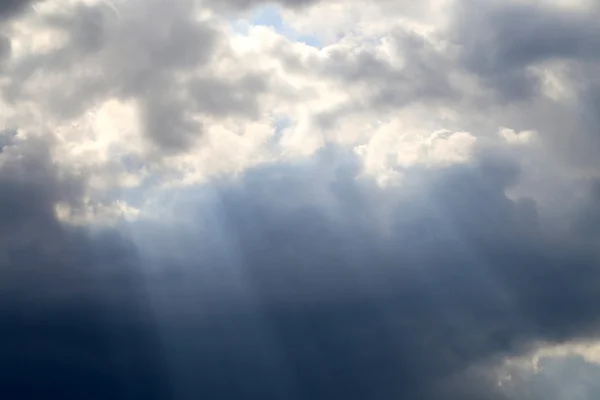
{"points": [[585, 138], [10, 8], [296, 300], [287, 283], [587, 219], [73, 322], [501, 40]]}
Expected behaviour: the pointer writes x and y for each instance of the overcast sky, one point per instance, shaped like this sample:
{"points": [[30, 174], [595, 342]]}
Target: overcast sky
{"points": [[305, 199]]}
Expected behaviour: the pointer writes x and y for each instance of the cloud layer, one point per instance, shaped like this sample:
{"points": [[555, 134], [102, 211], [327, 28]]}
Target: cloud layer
{"points": [[195, 205]]}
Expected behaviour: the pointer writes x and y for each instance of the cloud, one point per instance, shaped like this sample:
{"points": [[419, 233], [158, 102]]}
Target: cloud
{"points": [[399, 213], [292, 280], [416, 74], [9, 8], [72, 310], [335, 300], [237, 5], [555, 377], [164, 67], [502, 40]]}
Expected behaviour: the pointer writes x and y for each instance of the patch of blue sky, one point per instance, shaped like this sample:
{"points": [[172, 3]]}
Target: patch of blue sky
{"points": [[281, 123], [270, 15]]}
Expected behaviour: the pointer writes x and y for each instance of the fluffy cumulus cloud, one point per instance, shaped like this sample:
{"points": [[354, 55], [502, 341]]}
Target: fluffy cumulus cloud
{"points": [[299, 199]]}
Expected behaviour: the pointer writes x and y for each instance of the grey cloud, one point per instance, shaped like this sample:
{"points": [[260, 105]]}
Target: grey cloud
{"points": [[75, 322], [6, 138], [154, 52], [502, 44], [244, 5], [168, 123], [501, 40], [423, 77], [287, 282], [5, 48], [10, 8], [237, 5], [585, 141], [587, 218], [239, 96], [321, 302], [557, 377]]}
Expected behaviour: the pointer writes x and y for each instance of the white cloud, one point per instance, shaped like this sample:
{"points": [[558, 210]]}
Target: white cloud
{"points": [[192, 98]]}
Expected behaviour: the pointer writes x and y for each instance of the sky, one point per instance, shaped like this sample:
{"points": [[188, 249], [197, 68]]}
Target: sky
{"points": [[300, 199]]}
